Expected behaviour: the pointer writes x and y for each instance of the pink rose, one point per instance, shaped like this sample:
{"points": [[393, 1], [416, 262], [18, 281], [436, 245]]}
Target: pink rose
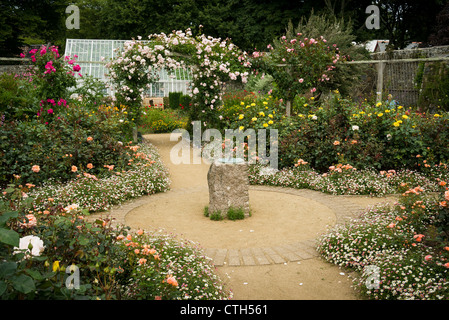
{"points": [[76, 68], [50, 111]]}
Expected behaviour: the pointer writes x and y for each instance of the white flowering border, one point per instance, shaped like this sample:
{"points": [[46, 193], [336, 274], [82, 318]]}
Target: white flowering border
{"points": [[96, 195]]}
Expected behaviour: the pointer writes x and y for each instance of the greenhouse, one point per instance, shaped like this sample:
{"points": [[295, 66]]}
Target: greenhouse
{"points": [[93, 54]]}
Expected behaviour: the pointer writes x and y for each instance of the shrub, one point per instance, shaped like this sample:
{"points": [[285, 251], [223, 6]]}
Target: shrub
{"points": [[174, 99], [17, 100], [60, 140], [62, 240], [156, 120], [298, 64]]}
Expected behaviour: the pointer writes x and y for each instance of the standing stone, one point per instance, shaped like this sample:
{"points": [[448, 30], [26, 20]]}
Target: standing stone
{"points": [[228, 186]]}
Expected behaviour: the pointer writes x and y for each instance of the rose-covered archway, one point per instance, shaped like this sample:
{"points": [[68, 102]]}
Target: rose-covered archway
{"points": [[213, 62]]}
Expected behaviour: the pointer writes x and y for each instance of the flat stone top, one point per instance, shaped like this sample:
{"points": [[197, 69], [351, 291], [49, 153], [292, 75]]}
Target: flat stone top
{"points": [[230, 161]]}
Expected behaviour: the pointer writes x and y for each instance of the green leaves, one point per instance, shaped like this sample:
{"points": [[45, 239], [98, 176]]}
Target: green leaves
{"points": [[9, 237]]}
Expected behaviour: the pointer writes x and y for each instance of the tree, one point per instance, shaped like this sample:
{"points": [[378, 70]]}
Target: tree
{"points": [[298, 64], [336, 31], [441, 31]]}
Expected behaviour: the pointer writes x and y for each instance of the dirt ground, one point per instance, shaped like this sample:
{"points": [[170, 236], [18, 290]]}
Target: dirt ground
{"points": [[276, 218]]}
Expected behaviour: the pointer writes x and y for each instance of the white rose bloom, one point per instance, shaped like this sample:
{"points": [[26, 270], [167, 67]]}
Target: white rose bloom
{"points": [[36, 243]]}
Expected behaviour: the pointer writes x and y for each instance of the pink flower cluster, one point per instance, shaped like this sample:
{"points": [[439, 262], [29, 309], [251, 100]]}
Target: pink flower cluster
{"points": [[49, 67]]}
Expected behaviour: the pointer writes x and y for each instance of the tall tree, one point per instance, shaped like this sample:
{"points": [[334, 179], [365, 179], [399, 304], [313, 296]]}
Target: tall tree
{"points": [[441, 31]]}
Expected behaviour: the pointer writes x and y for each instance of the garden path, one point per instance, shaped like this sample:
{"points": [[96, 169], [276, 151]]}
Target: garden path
{"points": [[268, 256]]}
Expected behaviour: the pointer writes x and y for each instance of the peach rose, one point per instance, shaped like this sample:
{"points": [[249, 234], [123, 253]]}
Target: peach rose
{"points": [[446, 195], [35, 168]]}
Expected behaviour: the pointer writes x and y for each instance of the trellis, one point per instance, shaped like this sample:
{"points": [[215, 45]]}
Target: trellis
{"points": [[93, 55]]}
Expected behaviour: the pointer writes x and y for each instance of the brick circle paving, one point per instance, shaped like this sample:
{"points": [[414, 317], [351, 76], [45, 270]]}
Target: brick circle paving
{"points": [[289, 251]]}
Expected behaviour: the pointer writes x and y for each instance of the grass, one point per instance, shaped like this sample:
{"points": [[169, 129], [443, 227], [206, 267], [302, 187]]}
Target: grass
{"points": [[232, 214]]}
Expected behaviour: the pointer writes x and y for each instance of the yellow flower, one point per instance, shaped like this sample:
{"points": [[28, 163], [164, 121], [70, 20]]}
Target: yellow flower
{"points": [[253, 104], [378, 104], [387, 111], [265, 125], [436, 115], [265, 102], [405, 116], [55, 266], [400, 107], [241, 116], [312, 98], [380, 114], [241, 128], [247, 106], [305, 104], [396, 124], [242, 103], [270, 122], [254, 119], [262, 114], [270, 116]]}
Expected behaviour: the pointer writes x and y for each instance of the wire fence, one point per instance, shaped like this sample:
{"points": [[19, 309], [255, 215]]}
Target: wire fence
{"points": [[403, 73]]}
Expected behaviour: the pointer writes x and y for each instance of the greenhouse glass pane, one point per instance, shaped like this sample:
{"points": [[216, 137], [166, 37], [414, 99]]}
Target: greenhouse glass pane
{"points": [[93, 54]]}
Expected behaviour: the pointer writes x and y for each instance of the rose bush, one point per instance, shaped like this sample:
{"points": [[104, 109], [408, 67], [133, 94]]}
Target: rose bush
{"points": [[298, 65]]}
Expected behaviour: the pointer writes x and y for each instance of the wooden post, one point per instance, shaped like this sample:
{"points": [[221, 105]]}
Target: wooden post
{"points": [[380, 80], [135, 134], [288, 108]]}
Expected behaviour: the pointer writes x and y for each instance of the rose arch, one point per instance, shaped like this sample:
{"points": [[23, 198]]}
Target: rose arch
{"points": [[213, 62]]}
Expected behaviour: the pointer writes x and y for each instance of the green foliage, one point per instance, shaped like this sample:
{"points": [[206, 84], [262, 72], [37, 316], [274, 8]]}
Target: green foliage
{"points": [[60, 238], [433, 82], [174, 99], [92, 90], [231, 214], [235, 214], [57, 145], [16, 97], [156, 120]]}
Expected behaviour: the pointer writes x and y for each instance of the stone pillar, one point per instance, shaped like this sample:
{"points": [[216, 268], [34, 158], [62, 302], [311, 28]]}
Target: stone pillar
{"points": [[228, 186]]}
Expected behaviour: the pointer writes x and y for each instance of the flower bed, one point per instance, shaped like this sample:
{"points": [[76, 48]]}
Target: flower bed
{"points": [[400, 252], [147, 175]]}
